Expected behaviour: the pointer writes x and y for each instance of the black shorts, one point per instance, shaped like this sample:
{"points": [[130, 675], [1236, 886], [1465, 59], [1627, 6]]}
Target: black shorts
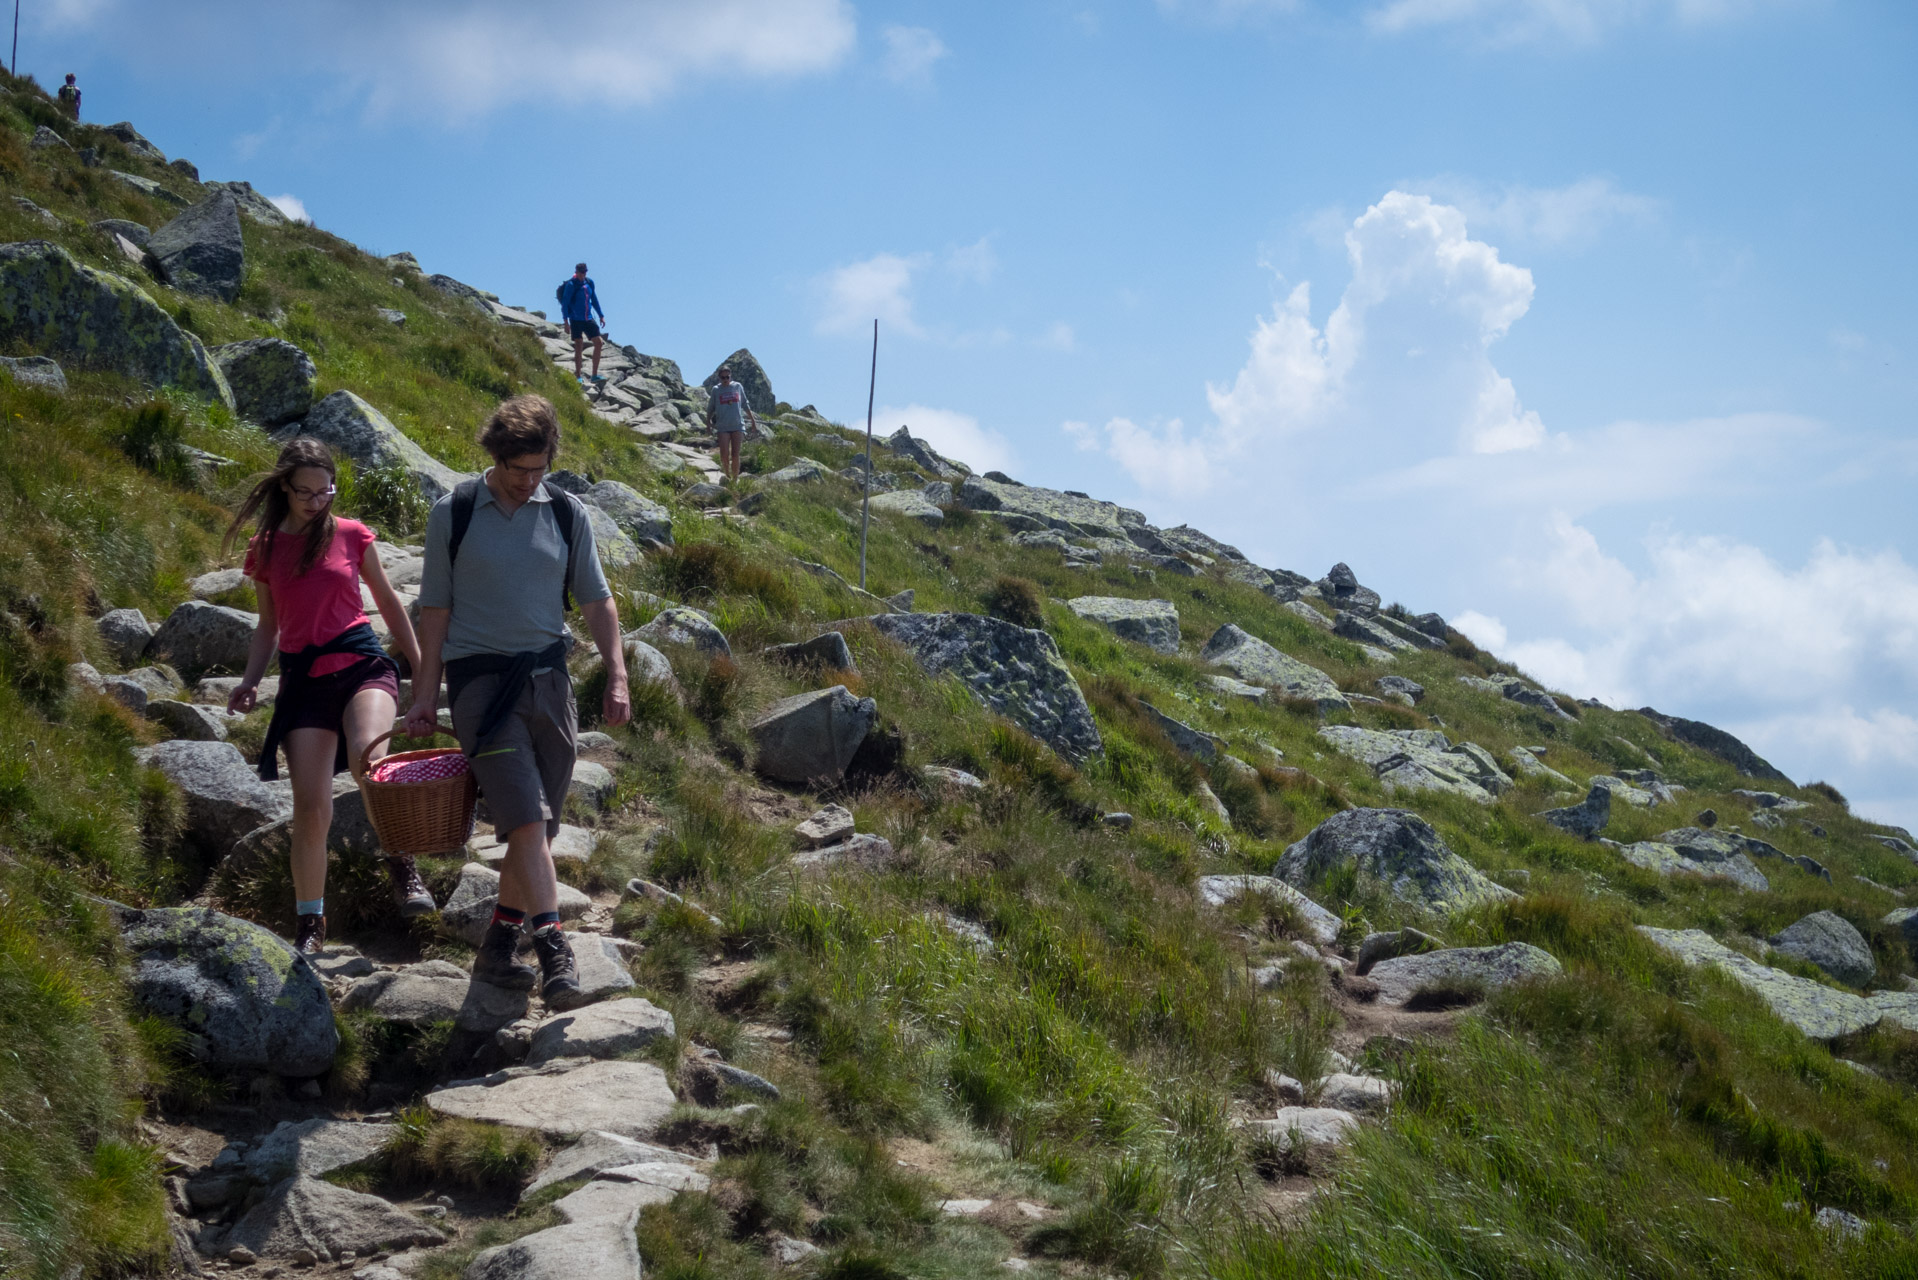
{"points": [[322, 703], [583, 329]]}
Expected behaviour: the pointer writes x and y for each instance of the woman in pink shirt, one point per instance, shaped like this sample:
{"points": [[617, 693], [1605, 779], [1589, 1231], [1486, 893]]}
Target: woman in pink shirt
{"points": [[338, 688]]}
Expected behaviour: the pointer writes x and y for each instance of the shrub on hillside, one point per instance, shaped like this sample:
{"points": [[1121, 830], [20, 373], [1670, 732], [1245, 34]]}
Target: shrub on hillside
{"points": [[1019, 601], [388, 498], [1830, 793], [154, 438]]}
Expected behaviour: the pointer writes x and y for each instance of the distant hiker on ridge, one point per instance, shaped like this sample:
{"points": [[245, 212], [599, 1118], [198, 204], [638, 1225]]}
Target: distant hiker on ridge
{"points": [[730, 415], [578, 300], [70, 97]]}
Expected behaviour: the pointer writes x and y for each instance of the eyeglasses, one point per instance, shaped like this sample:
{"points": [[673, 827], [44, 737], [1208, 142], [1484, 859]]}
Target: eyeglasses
{"points": [[313, 495], [531, 473]]}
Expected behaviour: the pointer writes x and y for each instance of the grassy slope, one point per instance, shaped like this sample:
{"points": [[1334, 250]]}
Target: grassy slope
{"points": [[1634, 1117]]}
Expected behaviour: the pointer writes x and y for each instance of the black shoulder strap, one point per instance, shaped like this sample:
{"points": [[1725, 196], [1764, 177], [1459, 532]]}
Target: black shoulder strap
{"points": [[465, 498], [565, 512]]}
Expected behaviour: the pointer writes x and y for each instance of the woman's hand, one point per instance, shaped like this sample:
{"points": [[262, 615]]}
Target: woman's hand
{"points": [[243, 699], [422, 720]]}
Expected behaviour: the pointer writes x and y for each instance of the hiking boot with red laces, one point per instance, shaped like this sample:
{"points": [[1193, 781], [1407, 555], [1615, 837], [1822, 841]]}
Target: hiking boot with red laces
{"points": [[311, 938], [560, 988], [410, 893], [495, 965]]}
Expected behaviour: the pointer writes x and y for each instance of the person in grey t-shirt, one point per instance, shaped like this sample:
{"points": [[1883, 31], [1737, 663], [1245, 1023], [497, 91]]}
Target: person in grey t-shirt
{"points": [[730, 413], [494, 609]]}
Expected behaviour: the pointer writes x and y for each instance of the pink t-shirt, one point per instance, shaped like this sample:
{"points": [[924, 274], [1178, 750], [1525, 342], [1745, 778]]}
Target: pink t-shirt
{"points": [[319, 604]]}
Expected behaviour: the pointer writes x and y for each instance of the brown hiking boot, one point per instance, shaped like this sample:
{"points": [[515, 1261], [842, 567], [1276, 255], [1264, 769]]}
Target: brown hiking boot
{"points": [[560, 990], [311, 939], [410, 893], [495, 965]]}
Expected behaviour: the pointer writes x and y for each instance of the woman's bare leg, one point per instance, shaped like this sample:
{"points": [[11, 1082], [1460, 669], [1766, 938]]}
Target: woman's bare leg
{"points": [[309, 757]]}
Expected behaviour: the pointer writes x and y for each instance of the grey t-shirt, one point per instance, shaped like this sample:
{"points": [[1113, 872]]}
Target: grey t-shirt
{"points": [[728, 403], [504, 590]]}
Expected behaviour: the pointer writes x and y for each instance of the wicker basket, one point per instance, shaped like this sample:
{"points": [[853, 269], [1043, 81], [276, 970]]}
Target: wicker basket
{"points": [[418, 818]]}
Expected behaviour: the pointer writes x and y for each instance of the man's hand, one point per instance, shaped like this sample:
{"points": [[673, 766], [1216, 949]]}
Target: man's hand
{"points": [[243, 699], [422, 720], [616, 708]]}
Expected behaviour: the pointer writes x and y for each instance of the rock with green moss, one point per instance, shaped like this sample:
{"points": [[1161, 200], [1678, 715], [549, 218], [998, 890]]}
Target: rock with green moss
{"points": [[355, 428], [1695, 851], [748, 373], [51, 304], [1250, 658], [1152, 623], [1052, 509], [225, 799], [640, 518], [1396, 848], [254, 1004], [201, 252], [1402, 977], [1832, 943], [1016, 672], [1421, 760], [1821, 1012], [272, 380]]}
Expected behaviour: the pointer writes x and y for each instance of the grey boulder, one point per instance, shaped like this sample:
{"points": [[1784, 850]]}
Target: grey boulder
{"points": [[811, 737], [1363, 630], [198, 637], [1015, 672], [1398, 849], [601, 965], [435, 991], [647, 665], [356, 429], [273, 381], [610, 543], [1340, 588], [644, 521], [565, 1096], [225, 798], [254, 1003], [597, 1151], [1830, 941], [1152, 623], [43, 372], [829, 651], [1586, 818], [190, 721], [50, 303], [1421, 760], [201, 252], [828, 826], [748, 373], [903, 443], [468, 910], [1217, 891], [1250, 658], [608, 1030], [1390, 946], [350, 833], [137, 233], [1183, 737], [910, 503], [314, 1147], [126, 634], [1402, 977], [305, 1213], [1815, 1009], [682, 626], [1696, 851], [1411, 692]]}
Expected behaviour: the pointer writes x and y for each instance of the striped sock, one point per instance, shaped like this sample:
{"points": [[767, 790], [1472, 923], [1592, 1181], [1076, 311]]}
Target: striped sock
{"points": [[507, 915], [310, 906], [545, 918]]}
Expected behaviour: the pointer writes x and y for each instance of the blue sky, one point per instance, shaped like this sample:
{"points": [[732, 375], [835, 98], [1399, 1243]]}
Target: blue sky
{"points": [[1585, 322]]}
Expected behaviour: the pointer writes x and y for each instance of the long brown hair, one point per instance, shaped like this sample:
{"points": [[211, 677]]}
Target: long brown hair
{"points": [[269, 500]]}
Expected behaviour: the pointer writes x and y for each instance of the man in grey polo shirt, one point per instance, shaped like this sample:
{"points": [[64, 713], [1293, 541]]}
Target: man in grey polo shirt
{"points": [[499, 572]]}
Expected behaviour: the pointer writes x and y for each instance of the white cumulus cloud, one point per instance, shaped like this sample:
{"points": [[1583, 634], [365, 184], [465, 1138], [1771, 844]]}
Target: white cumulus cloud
{"points": [[292, 206], [876, 288], [910, 54], [1548, 217], [955, 435]]}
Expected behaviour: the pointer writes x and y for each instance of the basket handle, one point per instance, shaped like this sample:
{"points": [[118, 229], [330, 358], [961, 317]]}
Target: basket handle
{"points": [[361, 764]]}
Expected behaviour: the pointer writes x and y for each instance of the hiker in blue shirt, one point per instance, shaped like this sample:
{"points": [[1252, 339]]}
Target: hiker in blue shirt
{"points": [[578, 300]]}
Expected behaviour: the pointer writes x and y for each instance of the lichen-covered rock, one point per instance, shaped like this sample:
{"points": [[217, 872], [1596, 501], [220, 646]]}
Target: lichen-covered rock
{"points": [[1066, 512], [811, 737], [435, 991], [356, 429], [1525, 760], [1183, 737], [225, 798], [903, 443], [272, 380], [1401, 977], [644, 521], [1016, 672], [1695, 851], [1421, 760], [252, 1001], [1819, 1011], [1152, 623], [43, 372], [305, 1213], [50, 303], [1216, 891], [682, 626], [1831, 942], [1586, 818], [254, 206], [566, 1096], [1397, 848], [910, 502], [828, 650], [1340, 588], [1363, 630], [798, 471], [198, 637], [126, 634], [1250, 658], [1518, 691], [201, 252], [190, 721], [615, 549], [1410, 691]]}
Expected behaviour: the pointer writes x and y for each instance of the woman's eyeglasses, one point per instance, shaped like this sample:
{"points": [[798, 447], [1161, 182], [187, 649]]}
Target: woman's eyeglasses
{"points": [[313, 495]]}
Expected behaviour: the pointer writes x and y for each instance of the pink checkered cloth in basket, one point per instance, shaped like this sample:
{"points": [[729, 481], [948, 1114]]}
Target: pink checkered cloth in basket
{"points": [[431, 769]]}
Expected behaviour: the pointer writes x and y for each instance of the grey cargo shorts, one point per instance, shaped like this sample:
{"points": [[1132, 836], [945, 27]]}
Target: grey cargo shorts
{"points": [[525, 772]]}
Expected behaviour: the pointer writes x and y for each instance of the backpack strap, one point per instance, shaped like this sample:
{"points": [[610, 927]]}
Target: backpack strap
{"points": [[565, 514], [465, 498]]}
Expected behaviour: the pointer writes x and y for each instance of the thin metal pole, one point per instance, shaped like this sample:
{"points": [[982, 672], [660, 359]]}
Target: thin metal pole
{"points": [[13, 63], [865, 503]]}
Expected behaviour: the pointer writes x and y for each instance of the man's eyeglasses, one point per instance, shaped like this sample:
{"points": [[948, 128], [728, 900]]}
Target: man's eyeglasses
{"points": [[530, 473], [313, 495]]}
